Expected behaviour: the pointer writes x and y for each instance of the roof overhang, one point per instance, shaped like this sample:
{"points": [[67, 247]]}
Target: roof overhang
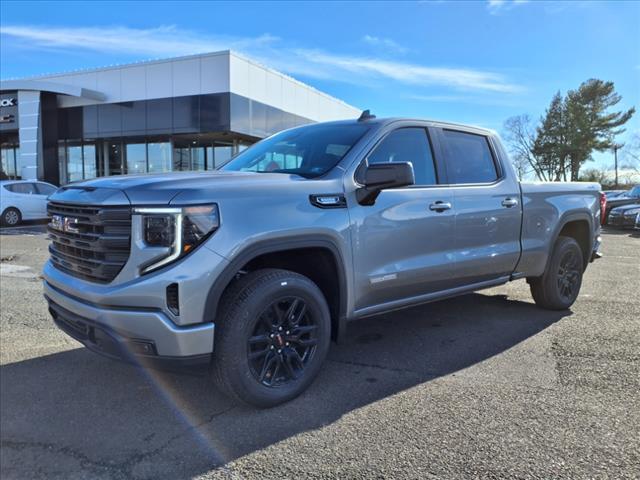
{"points": [[52, 87]]}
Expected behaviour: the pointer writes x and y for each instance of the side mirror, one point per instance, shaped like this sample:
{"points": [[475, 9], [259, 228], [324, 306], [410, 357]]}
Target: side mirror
{"points": [[380, 176]]}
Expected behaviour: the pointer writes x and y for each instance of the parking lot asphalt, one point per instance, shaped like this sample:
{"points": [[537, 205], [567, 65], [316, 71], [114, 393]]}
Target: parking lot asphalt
{"points": [[481, 386]]}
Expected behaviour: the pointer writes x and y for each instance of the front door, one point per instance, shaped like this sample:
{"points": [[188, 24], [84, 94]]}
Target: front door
{"points": [[403, 244]]}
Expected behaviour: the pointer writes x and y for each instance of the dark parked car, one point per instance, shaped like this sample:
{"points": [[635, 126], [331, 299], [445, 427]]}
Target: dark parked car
{"points": [[614, 193], [624, 216], [630, 198]]}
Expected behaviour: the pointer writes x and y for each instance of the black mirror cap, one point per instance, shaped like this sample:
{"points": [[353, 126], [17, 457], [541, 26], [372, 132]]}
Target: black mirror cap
{"points": [[380, 176]]}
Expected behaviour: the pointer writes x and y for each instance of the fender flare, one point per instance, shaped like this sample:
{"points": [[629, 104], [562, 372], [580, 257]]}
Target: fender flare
{"points": [[564, 219], [280, 245]]}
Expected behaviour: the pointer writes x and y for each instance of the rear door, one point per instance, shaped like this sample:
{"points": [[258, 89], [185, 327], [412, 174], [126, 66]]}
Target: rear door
{"points": [[488, 212], [403, 243]]}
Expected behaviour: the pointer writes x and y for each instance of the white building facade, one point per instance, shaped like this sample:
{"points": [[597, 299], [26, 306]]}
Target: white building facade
{"points": [[187, 113]]}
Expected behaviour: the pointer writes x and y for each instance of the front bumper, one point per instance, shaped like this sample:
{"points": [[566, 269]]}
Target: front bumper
{"points": [[142, 334]]}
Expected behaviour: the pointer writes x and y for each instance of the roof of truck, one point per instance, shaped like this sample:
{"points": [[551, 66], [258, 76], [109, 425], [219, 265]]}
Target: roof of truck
{"points": [[436, 123]]}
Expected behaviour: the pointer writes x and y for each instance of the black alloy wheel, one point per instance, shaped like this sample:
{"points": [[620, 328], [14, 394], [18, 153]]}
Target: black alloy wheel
{"points": [[569, 272], [282, 342], [559, 286], [272, 334]]}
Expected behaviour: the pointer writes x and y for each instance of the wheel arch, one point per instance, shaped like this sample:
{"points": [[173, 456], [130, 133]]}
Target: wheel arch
{"points": [[579, 226], [322, 260]]}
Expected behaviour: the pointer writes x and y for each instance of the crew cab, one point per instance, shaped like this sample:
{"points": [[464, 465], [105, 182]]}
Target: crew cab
{"points": [[251, 270]]}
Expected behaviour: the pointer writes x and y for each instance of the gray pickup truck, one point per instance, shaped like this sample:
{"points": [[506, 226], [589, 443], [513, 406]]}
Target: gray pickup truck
{"points": [[253, 269]]}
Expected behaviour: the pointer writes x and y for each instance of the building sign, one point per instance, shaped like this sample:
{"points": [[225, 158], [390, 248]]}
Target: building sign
{"points": [[8, 112]]}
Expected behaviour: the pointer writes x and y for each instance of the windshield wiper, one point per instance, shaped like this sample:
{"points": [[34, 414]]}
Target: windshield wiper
{"points": [[289, 171]]}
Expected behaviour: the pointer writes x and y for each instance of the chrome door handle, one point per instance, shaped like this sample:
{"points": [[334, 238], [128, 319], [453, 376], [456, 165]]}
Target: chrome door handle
{"points": [[439, 206], [509, 202]]}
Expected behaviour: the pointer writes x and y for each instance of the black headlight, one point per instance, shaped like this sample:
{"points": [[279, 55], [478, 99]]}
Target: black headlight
{"points": [[179, 230], [159, 230], [197, 224]]}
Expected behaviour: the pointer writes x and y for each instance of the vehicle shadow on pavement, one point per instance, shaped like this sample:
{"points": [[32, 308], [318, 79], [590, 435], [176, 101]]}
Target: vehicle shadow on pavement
{"points": [[80, 412], [28, 227]]}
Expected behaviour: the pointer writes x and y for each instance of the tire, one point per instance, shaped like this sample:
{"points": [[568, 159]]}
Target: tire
{"points": [[11, 217], [260, 357], [559, 286]]}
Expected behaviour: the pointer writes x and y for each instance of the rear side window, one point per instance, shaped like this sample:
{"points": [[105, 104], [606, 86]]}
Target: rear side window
{"points": [[408, 145], [44, 189], [26, 188], [469, 158]]}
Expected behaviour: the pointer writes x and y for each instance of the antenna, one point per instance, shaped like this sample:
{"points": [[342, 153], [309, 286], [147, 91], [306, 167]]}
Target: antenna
{"points": [[366, 115]]}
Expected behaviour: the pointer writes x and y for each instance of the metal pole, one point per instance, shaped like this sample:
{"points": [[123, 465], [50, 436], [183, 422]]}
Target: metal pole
{"points": [[615, 156]]}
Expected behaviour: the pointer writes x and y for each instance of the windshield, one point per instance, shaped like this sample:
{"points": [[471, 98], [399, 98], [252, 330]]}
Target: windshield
{"points": [[308, 151], [635, 192]]}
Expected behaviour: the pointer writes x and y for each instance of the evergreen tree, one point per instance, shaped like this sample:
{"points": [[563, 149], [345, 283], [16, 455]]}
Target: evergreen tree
{"points": [[550, 146], [590, 126], [576, 126]]}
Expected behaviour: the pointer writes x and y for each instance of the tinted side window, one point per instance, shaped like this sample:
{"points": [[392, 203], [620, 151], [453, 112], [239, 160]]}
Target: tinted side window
{"points": [[408, 145], [27, 188], [44, 189], [469, 158]]}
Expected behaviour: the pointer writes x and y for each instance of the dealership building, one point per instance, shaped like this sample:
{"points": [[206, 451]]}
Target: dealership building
{"points": [[187, 113]]}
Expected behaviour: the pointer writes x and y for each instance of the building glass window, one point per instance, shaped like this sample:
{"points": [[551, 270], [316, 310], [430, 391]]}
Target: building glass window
{"points": [[181, 158], [74, 163], [197, 158], [89, 161], [159, 157], [210, 160], [9, 158], [222, 154], [114, 158], [136, 158], [77, 162], [62, 162], [92, 158]]}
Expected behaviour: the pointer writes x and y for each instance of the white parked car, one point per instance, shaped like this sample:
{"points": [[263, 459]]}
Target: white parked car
{"points": [[23, 200]]}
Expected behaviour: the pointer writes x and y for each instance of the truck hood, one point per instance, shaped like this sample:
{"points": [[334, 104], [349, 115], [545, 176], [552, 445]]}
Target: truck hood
{"points": [[161, 189]]}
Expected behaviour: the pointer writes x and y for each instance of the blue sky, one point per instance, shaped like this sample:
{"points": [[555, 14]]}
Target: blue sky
{"points": [[475, 62]]}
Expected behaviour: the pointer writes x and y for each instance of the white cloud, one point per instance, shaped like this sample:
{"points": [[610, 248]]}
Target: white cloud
{"points": [[385, 43], [411, 74], [162, 41], [487, 99], [169, 41], [497, 6]]}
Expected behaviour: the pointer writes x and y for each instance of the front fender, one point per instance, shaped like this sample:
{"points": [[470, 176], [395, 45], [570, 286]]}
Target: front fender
{"points": [[250, 252]]}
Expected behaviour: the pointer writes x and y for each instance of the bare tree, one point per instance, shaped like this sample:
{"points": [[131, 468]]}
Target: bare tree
{"points": [[631, 153], [520, 137], [598, 175]]}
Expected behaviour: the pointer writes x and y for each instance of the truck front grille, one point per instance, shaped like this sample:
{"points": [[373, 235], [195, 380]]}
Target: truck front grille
{"points": [[89, 242]]}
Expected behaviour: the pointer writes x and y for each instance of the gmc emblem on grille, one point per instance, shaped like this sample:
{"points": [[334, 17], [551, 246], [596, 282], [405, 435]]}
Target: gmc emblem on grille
{"points": [[65, 224]]}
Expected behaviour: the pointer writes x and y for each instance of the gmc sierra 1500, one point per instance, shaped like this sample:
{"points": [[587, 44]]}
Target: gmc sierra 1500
{"points": [[253, 268]]}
